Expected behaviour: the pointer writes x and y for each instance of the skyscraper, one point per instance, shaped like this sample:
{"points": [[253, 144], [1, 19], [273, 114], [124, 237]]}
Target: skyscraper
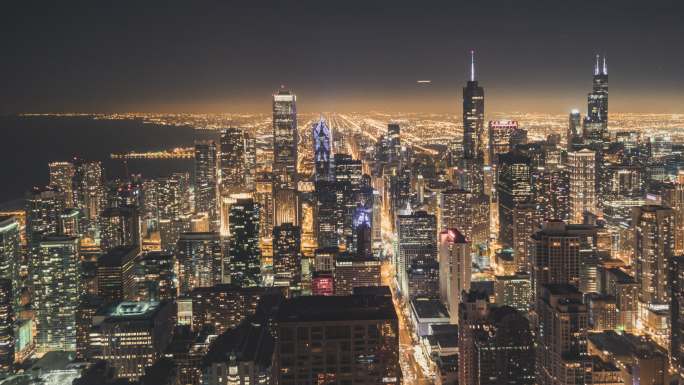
{"points": [[473, 115], [287, 257], [513, 189], [285, 138], [43, 208], [244, 252], [250, 161], [653, 249], [62, 178], [368, 323], [10, 254], [90, 185], [322, 139], [417, 245], [676, 281], [500, 134], [574, 127], [6, 327], [394, 138], [555, 256], [201, 260], [596, 121], [455, 269], [56, 293], [562, 357], [232, 164], [582, 169], [206, 178]]}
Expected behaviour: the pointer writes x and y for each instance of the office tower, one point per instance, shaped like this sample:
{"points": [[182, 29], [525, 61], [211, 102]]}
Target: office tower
{"points": [[653, 249], [394, 138], [555, 256], [596, 121], [361, 243], [70, 222], [88, 305], [120, 226], [640, 359], [368, 323], [467, 212], [351, 272], [10, 254], [62, 178], [232, 161], [200, 260], [243, 251], [170, 231], [263, 196], [326, 203], [676, 201], [90, 188], [513, 189], [222, 307], [582, 169], [170, 197], [322, 283], [551, 192], [417, 243], [501, 132], [322, 140], [287, 257], [562, 336], [115, 274], [495, 343], [455, 269], [6, 327], [242, 356], [623, 287], [574, 134], [55, 279], [43, 208], [206, 179], [285, 139], [155, 277], [286, 206], [473, 116], [676, 282], [526, 221], [514, 291], [250, 161], [131, 336]]}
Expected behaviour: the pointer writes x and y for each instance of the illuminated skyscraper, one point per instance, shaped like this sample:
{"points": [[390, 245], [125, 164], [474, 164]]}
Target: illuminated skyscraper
{"points": [[562, 357], [62, 177], [500, 134], [250, 161], [467, 212], [6, 327], [232, 166], [676, 280], [473, 116], [596, 121], [394, 138], [285, 139], [653, 249], [120, 226], [200, 259], [244, 252], [43, 208], [513, 189], [574, 126], [287, 257], [455, 269], [582, 169], [555, 257], [326, 218], [55, 279], [116, 275], [206, 178], [10, 253], [263, 195], [91, 191], [417, 245], [322, 139]]}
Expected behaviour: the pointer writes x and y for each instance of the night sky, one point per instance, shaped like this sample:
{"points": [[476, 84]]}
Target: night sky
{"points": [[228, 56]]}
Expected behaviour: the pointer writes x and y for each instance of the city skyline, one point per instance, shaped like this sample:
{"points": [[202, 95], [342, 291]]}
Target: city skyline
{"points": [[352, 57]]}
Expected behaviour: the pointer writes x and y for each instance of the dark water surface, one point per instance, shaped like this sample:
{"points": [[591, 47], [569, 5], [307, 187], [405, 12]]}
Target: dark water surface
{"points": [[28, 144]]}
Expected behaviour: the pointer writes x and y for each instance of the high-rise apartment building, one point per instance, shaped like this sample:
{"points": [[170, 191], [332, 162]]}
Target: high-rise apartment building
{"points": [[232, 161], [417, 245], [200, 260], [582, 170], [455, 269], [206, 175], [62, 177]]}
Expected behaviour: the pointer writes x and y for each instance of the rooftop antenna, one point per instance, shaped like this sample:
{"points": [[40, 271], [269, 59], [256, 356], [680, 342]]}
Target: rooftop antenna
{"points": [[472, 65], [605, 66], [596, 66]]}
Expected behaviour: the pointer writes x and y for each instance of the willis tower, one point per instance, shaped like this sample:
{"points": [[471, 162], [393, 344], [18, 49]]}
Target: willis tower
{"points": [[596, 121]]}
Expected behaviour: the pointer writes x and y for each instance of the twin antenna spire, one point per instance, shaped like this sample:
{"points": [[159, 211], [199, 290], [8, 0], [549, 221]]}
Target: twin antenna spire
{"points": [[598, 69]]}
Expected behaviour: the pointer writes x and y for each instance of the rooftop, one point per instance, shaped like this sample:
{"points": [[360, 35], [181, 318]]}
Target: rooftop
{"points": [[336, 308], [117, 256], [429, 308]]}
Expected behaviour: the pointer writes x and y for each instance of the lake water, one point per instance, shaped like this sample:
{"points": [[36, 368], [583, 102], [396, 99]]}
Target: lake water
{"points": [[30, 143]]}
